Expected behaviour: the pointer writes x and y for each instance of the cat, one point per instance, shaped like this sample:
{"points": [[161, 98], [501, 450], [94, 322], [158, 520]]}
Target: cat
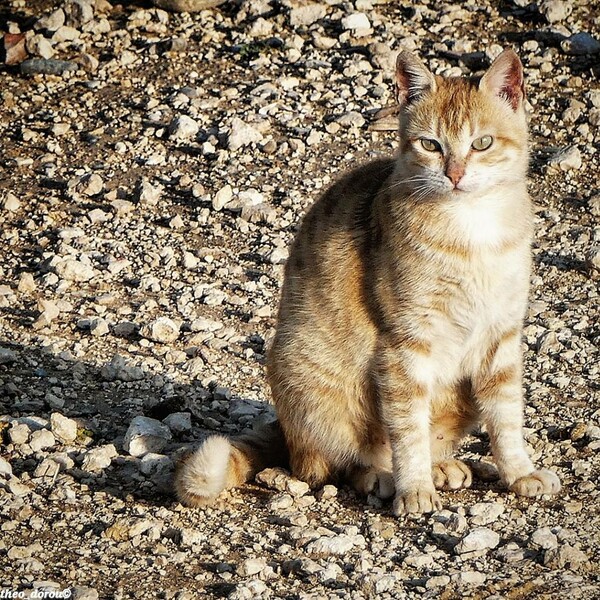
{"points": [[399, 327]]}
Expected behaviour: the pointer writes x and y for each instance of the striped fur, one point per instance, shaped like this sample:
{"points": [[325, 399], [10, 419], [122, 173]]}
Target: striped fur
{"points": [[401, 312]]}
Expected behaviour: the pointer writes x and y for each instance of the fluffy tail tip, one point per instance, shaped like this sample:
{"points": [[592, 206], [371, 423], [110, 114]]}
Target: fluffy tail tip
{"points": [[202, 475]]}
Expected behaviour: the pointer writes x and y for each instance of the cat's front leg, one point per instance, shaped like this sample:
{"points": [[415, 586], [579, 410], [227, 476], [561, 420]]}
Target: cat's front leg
{"points": [[405, 389], [498, 391]]}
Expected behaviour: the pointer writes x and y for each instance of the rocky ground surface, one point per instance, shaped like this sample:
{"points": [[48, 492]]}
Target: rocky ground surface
{"points": [[155, 167]]}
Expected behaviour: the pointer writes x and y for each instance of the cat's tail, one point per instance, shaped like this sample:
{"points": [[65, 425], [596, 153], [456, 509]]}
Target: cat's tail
{"points": [[221, 463]]}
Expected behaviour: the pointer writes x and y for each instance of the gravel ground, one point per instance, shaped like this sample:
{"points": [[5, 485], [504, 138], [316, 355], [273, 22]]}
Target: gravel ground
{"points": [[153, 177]]}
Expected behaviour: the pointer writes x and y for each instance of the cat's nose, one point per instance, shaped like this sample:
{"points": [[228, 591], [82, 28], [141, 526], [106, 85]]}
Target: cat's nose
{"points": [[455, 172]]}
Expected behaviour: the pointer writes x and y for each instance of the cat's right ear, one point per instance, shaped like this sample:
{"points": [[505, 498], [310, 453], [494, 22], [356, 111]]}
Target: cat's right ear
{"points": [[413, 78]]}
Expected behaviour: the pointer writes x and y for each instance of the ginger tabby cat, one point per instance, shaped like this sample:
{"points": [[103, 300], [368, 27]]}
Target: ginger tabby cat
{"points": [[401, 313]]}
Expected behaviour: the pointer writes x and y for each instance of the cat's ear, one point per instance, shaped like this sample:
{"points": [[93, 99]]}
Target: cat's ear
{"points": [[413, 78], [505, 79]]}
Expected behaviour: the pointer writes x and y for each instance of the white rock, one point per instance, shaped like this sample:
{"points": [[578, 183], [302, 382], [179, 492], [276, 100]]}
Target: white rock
{"points": [[278, 256], [555, 10], [485, 512], [63, 427], [356, 21], [74, 270], [19, 433], [567, 159], [147, 193], [478, 539], [97, 459], [337, 544], [26, 283], [162, 330], [241, 134], [41, 439], [5, 468], [222, 197], [183, 128], [251, 566], [11, 202], [98, 327], [40, 46], [307, 15], [146, 435], [179, 422], [52, 21], [544, 538]]}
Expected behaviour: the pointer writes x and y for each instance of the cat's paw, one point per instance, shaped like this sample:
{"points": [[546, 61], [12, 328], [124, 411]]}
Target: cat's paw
{"points": [[419, 501], [451, 475], [369, 481], [537, 483]]}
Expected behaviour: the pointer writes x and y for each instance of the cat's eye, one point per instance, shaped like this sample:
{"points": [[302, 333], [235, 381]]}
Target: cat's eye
{"points": [[430, 145], [482, 143]]}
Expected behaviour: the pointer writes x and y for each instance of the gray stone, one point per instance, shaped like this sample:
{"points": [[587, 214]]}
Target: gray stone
{"points": [[42, 66], [83, 593], [581, 43], [155, 464], [146, 435], [7, 356], [179, 422], [119, 369]]}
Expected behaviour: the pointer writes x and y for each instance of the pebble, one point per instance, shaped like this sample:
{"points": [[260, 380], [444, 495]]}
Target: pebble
{"points": [[581, 43], [41, 66], [7, 356], [484, 513], [11, 202], [162, 330], [242, 134], [41, 439], [74, 270], [307, 15], [251, 566], [98, 459], [52, 21], [222, 197], [544, 538], [183, 128], [179, 422], [336, 544], [567, 159], [5, 468], [566, 556], [145, 435], [480, 538], [63, 427], [356, 22], [555, 10], [120, 369], [148, 194]]}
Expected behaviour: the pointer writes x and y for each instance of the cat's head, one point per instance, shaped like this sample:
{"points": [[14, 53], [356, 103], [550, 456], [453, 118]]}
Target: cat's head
{"points": [[461, 135]]}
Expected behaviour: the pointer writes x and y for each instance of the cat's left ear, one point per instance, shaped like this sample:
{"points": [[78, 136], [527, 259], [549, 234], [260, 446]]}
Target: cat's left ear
{"points": [[505, 78]]}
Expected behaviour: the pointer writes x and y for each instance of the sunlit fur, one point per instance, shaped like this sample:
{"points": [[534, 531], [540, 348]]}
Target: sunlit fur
{"points": [[401, 312]]}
